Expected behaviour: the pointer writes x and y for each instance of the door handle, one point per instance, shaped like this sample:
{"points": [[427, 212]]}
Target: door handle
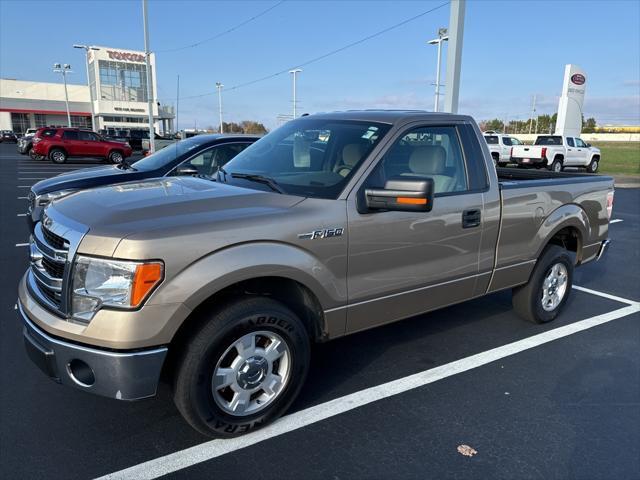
{"points": [[471, 218]]}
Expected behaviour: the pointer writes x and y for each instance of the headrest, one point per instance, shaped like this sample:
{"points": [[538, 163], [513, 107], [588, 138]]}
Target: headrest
{"points": [[428, 160], [352, 153]]}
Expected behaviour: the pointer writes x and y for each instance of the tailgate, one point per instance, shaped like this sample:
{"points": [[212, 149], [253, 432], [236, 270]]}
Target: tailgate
{"points": [[527, 151]]}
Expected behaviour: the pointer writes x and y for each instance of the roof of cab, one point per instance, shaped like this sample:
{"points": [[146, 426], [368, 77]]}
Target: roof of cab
{"points": [[388, 116]]}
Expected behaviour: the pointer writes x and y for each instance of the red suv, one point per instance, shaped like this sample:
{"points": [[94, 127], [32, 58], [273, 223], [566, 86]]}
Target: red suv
{"points": [[58, 144]]}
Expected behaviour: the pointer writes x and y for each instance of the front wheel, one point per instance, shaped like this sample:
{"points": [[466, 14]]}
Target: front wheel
{"points": [[243, 368], [116, 157], [542, 298], [593, 166]]}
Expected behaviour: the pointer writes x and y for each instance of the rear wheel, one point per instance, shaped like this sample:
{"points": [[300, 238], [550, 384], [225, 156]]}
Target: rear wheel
{"points": [[556, 166], [57, 155], [243, 368], [542, 298], [495, 158], [593, 166]]}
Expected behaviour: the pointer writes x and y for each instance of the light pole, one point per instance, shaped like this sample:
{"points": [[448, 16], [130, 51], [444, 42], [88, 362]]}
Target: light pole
{"points": [[64, 69], [150, 92], [295, 72], [442, 37], [87, 48], [219, 87]]}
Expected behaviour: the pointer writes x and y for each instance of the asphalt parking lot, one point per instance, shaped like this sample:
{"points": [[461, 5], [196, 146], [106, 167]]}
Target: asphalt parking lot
{"points": [[535, 401]]}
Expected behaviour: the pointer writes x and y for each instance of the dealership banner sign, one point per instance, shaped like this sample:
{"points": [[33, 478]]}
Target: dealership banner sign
{"points": [[571, 101]]}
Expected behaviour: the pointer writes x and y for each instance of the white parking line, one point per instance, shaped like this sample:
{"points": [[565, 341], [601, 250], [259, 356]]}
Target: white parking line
{"points": [[24, 186], [32, 178], [21, 215], [23, 198], [22, 244], [215, 448], [617, 220]]}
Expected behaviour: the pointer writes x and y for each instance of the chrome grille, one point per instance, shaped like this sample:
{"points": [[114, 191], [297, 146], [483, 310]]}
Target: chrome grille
{"points": [[49, 253]]}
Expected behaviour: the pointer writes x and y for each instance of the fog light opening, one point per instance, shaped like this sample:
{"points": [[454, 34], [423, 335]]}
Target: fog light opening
{"points": [[81, 373]]}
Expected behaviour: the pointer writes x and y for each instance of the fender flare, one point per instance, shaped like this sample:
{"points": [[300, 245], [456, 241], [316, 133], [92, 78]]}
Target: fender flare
{"points": [[568, 215], [223, 268]]}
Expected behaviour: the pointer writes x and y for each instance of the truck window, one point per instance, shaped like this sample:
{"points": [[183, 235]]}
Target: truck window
{"points": [[548, 140], [515, 141], [492, 140], [580, 143], [314, 158], [506, 141], [70, 135], [433, 152], [570, 142]]}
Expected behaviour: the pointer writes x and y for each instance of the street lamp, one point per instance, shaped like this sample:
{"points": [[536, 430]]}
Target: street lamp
{"points": [[64, 69], [87, 48], [219, 87], [294, 72], [442, 37]]}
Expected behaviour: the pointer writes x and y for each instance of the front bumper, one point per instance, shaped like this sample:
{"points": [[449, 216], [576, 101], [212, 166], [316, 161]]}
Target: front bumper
{"points": [[121, 375]]}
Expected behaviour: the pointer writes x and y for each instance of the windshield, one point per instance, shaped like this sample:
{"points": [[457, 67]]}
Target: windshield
{"points": [[162, 157], [549, 140], [307, 157]]}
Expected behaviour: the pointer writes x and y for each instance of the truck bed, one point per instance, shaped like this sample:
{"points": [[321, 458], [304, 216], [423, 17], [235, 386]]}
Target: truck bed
{"points": [[532, 202]]}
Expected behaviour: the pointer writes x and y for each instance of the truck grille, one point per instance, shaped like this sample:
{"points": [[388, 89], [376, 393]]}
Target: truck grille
{"points": [[49, 253]]}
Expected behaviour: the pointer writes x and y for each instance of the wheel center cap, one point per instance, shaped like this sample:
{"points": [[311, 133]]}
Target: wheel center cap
{"points": [[252, 372]]}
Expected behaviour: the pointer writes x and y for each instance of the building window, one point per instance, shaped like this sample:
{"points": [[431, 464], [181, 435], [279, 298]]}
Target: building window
{"points": [[123, 82], [20, 122], [41, 120], [80, 122]]}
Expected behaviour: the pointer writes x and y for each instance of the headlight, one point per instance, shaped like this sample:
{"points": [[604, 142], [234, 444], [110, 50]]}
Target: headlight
{"points": [[101, 283], [46, 198]]}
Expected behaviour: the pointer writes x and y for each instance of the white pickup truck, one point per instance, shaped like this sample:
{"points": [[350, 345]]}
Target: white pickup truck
{"points": [[500, 147], [556, 152]]}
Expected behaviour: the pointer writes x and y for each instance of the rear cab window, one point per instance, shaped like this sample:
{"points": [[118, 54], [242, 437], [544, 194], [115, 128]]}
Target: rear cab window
{"points": [[492, 139], [549, 140]]}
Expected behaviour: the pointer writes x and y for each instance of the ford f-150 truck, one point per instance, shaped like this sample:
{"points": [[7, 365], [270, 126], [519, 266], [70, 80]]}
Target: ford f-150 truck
{"points": [[500, 147], [329, 225], [556, 152]]}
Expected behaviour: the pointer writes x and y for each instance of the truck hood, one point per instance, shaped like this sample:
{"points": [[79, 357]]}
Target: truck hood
{"points": [[83, 178], [163, 208]]}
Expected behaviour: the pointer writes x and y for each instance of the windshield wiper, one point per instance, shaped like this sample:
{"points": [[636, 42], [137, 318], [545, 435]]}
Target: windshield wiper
{"points": [[259, 179]]}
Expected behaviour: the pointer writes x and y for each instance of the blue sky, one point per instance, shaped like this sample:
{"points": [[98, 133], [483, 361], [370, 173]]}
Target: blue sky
{"points": [[512, 50]]}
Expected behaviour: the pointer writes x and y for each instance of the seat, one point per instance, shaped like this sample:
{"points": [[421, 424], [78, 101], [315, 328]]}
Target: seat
{"points": [[351, 155], [430, 161]]}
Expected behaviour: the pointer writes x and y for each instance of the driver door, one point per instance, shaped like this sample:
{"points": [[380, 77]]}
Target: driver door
{"points": [[405, 263]]}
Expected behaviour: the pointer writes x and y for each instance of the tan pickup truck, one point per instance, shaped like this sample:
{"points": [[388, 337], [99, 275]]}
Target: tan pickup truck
{"points": [[327, 226]]}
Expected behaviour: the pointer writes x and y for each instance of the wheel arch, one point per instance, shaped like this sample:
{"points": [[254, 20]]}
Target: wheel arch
{"points": [[568, 227]]}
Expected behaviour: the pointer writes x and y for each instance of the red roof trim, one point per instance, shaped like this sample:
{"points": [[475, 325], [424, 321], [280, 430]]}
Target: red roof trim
{"points": [[46, 112]]}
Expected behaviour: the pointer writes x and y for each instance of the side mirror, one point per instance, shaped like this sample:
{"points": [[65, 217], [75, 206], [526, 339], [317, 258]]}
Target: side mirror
{"points": [[402, 194], [588, 145], [187, 169]]}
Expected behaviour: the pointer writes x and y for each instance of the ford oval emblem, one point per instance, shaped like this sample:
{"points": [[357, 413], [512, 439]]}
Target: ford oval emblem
{"points": [[578, 79]]}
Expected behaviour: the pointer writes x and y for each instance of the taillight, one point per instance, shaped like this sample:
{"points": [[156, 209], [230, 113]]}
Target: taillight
{"points": [[36, 139], [610, 204], [511, 152], [544, 152]]}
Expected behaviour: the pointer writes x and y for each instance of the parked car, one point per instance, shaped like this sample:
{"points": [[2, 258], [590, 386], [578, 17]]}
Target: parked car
{"points": [[556, 152], [200, 156], [160, 142], [329, 225], [25, 142], [7, 136], [58, 144], [500, 147]]}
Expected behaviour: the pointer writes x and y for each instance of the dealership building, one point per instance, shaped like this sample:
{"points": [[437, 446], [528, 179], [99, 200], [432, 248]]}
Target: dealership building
{"points": [[117, 89]]}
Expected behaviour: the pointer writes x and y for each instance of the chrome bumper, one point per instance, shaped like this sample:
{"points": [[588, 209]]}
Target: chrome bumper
{"points": [[603, 248], [120, 375]]}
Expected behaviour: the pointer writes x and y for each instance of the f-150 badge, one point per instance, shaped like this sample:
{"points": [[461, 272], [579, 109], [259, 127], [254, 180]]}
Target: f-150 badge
{"points": [[326, 233]]}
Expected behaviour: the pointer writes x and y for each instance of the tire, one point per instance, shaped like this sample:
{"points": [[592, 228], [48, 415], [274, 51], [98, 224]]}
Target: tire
{"points": [[554, 263], [593, 166], [502, 164], [495, 160], [34, 156], [210, 410], [58, 155], [556, 166], [116, 157]]}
